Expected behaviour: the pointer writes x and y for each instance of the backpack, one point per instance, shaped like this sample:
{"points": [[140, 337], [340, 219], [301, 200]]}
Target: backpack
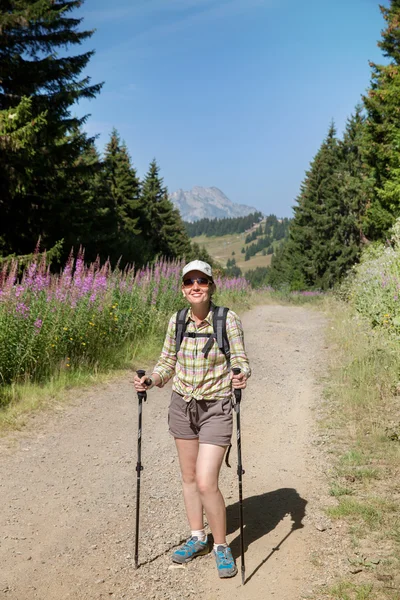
{"points": [[219, 334]]}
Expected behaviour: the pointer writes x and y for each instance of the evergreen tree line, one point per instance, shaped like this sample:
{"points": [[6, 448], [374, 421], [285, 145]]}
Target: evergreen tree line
{"points": [[263, 244], [258, 277], [350, 196], [232, 269], [274, 230], [216, 227], [54, 185]]}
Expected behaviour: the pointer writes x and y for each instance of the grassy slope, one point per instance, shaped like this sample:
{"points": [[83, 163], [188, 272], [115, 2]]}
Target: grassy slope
{"points": [[221, 248]]}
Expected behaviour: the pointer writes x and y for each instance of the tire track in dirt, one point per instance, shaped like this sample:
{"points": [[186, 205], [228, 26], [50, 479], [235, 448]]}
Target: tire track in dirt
{"points": [[67, 485]]}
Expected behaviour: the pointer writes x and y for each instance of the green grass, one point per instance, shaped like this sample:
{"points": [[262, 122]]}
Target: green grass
{"points": [[351, 591], [349, 507], [338, 490]]}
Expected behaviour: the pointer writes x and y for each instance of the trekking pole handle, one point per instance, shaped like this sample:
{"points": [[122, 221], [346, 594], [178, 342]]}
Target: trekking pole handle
{"points": [[238, 393], [141, 373]]}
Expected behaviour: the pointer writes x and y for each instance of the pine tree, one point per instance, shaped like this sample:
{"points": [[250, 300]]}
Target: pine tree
{"points": [[120, 192], [160, 221], [326, 235], [353, 196], [32, 35], [382, 132], [18, 131], [305, 258]]}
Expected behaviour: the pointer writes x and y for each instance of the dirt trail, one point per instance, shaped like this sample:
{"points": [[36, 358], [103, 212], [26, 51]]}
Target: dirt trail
{"points": [[67, 486]]}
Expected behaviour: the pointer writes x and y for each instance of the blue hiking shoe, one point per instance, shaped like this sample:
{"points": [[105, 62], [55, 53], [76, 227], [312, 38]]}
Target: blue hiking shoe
{"points": [[189, 550], [225, 564]]}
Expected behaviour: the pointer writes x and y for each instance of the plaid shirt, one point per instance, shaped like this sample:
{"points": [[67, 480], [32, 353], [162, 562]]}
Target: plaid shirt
{"points": [[195, 376]]}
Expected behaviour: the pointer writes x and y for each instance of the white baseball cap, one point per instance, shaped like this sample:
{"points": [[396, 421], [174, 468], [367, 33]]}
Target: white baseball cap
{"points": [[197, 265]]}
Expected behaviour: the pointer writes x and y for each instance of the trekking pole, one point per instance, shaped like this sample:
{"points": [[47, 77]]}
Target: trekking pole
{"points": [[240, 472], [141, 396]]}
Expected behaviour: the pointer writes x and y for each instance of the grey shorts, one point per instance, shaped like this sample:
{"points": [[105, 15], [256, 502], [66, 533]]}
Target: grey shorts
{"points": [[209, 421]]}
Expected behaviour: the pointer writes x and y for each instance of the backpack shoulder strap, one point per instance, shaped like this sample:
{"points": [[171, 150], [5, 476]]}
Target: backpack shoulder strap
{"points": [[181, 322], [219, 324]]}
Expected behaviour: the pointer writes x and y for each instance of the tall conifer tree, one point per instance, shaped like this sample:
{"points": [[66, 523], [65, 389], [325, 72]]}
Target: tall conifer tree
{"points": [[382, 132], [120, 192], [353, 195], [33, 32], [161, 222], [306, 255]]}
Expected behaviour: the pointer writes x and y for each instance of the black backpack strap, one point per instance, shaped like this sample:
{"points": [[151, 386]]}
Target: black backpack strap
{"points": [[209, 343], [219, 323], [220, 334], [181, 321]]}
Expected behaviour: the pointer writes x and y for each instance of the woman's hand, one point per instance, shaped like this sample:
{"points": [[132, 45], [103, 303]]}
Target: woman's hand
{"points": [[239, 381], [140, 383], [145, 383]]}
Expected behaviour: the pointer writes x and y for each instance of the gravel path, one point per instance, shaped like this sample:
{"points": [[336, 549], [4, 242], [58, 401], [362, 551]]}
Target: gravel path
{"points": [[67, 486]]}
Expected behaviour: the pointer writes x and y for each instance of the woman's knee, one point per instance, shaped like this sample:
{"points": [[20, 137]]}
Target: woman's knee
{"points": [[205, 485], [189, 476]]}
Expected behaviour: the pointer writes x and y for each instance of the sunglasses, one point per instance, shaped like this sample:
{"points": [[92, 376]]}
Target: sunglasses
{"points": [[201, 281]]}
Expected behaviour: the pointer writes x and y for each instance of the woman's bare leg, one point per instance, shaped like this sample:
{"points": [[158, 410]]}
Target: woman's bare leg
{"points": [[209, 460], [188, 452]]}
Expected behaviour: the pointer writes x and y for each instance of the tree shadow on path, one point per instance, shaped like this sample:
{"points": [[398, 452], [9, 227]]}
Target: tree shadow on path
{"points": [[261, 514]]}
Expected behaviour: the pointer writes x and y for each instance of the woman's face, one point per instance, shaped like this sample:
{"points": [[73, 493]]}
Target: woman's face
{"points": [[197, 293]]}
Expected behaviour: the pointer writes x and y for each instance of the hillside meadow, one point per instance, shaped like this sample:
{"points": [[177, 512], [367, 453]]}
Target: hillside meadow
{"points": [[222, 247]]}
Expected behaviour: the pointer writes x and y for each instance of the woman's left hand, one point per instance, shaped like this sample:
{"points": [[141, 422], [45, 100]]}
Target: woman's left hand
{"points": [[239, 381]]}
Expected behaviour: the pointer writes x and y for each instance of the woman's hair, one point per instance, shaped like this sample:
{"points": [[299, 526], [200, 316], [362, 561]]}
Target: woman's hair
{"points": [[212, 288]]}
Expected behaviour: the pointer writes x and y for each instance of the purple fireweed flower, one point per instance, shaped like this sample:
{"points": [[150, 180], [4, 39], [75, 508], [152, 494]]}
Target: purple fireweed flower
{"points": [[66, 275], [29, 275], [100, 283], [38, 323], [22, 309], [11, 278], [19, 289], [40, 282], [79, 274], [154, 295]]}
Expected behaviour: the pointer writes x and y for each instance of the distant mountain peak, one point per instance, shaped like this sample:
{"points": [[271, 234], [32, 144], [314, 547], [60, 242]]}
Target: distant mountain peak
{"points": [[207, 202]]}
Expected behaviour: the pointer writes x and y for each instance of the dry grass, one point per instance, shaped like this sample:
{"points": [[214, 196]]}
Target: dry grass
{"points": [[363, 409], [221, 248]]}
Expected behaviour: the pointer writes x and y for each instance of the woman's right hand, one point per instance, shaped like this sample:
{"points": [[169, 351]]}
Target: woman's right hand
{"points": [[140, 383]]}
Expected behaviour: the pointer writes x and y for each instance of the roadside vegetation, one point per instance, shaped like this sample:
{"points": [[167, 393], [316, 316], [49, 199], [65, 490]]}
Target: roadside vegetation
{"points": [[61, 329], [363, 418]]}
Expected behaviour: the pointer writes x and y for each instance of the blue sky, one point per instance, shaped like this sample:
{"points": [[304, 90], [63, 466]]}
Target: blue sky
{"points": [[236, 94]]}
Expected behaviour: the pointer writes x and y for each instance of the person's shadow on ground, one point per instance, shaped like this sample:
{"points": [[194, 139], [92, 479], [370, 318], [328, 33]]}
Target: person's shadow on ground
{"points": [[261, 514]]}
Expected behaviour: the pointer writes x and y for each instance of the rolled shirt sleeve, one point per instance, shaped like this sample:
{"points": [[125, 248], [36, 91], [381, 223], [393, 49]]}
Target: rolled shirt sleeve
{"points": [[165, 366], [235, 334]]}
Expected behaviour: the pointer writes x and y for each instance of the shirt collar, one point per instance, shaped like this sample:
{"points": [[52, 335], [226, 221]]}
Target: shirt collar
{"points": [[209, 317]]}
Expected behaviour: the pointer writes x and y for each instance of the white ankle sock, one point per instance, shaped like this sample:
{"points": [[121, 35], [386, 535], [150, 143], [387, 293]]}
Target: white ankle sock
{"points": [[200, 534], [225, 545]]}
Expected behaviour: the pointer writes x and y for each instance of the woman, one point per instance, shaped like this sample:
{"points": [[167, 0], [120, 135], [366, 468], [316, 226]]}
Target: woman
{"points": [[200, 412]]}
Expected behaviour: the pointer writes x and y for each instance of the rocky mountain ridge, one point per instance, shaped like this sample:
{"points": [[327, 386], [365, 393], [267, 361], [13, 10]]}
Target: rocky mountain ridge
{"points": [[207, 202]]}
